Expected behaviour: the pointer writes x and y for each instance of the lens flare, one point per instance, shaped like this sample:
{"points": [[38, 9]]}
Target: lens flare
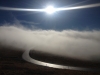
{"points": [[50, 10]]}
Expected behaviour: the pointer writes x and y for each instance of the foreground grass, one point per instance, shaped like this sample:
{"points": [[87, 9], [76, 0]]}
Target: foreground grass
{"points": [[11, 63]]}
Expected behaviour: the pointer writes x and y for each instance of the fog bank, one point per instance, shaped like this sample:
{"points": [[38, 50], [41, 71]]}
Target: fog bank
{"points": [[72, 43]]}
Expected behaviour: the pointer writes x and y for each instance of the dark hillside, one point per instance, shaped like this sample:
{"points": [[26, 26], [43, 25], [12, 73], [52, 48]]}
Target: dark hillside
{"points": [[11, 63]]}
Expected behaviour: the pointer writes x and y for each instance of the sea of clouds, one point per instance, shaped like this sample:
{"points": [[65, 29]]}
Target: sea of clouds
{"points": [[69, 43]]}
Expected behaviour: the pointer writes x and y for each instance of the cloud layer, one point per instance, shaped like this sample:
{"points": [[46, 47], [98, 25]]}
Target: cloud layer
{"points": [[69, 43]]}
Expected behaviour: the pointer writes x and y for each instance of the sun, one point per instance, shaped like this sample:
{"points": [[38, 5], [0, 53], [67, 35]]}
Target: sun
{"points": [[50, 10]]}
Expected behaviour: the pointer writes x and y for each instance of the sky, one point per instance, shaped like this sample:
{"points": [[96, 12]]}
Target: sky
{"points": [[70, 33], [82, 19]]}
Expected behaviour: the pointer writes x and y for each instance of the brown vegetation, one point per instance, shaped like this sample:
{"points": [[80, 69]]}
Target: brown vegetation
{"points": [[11, 63]]}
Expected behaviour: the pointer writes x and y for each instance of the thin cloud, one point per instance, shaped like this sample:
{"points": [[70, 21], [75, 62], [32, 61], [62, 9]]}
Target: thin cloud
{"points": [[28, 22]]}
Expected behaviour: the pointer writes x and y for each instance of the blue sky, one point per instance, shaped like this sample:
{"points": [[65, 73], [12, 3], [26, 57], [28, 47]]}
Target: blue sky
{"points": [[82, 19]]}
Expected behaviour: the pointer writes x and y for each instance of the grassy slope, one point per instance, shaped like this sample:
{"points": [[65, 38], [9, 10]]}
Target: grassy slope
{"points": [[11, 63]]}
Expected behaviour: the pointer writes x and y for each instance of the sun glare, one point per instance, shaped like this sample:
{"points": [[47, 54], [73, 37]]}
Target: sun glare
{"points": [[50, 10]]}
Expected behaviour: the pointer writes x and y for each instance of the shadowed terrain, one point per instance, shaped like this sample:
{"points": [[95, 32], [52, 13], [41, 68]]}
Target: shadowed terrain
{"points": [[11, 63], [61, 60]]}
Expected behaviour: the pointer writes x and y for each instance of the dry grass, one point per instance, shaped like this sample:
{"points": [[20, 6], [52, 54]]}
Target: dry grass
{"points": [[11, 63]]}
